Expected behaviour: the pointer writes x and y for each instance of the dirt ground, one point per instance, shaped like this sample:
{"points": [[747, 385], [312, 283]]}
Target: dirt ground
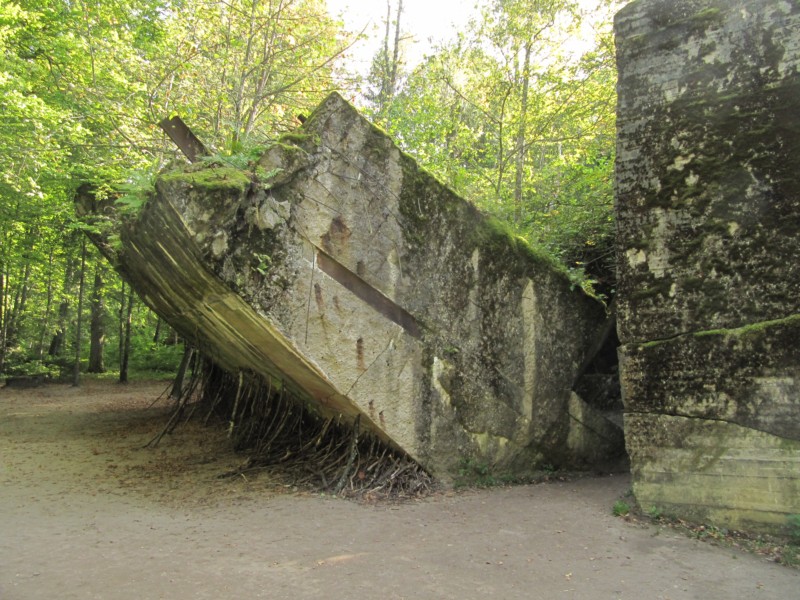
{"points": [[87, 512]]}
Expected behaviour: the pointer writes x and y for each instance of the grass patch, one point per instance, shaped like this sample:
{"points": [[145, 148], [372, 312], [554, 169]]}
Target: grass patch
{"points": [[783, 550], [621, 509]]}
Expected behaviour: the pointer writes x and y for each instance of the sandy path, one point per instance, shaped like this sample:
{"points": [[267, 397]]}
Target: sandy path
{"points": [[85, 512]]}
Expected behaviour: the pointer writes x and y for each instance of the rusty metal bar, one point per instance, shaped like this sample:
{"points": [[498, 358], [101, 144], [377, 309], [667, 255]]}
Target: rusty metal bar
{"points": [[368, 294], [188, 142]]}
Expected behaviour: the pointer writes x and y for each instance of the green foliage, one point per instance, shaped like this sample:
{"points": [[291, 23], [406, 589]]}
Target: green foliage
{"points": [[296, 138], [523, 128], [19, 364], [498, 235], [475, 474], [387, 70], [155, 358], [790, 553], [579, 278], [703, 532], [790, 556], [241, 160], [264, 263], [83, 84], [134, 193], [472, 473], [654, 513], [240, 71], [247, 160], [793, 527], [266, 176], [131, 203], [621, 508]]}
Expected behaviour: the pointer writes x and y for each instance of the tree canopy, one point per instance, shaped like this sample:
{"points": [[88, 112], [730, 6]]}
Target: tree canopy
{"points": [[520, 119]]}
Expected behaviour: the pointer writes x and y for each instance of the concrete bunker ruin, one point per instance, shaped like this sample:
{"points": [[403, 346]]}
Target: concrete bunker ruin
{"points": [[337, 270], [335, 278]]}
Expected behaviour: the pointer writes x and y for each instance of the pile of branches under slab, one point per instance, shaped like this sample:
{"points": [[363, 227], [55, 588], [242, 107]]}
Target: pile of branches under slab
{"points": [[281, 435]]}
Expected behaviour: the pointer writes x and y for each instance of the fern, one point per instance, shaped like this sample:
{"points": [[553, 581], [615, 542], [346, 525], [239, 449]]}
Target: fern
{"points": [[239, 160], [133, 194]]}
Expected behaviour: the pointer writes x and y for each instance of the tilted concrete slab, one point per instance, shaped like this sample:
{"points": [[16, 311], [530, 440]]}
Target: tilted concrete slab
{"points": [[337, 265]]}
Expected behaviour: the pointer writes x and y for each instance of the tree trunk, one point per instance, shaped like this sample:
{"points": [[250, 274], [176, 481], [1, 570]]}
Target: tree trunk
{"points": [[126, 344], [177, 385], [157, 333], [384, 90], [97, 338], [18, 308], [76, 372], [57, 343], [239, 130], [395, 52], [2, 319], [48, 305], [173, 338], [523, 117], [121, 325]]}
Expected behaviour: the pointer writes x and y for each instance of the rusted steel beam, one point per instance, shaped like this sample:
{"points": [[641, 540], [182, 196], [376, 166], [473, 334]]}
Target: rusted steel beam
{"points": [[368, 294], [184, 139]]}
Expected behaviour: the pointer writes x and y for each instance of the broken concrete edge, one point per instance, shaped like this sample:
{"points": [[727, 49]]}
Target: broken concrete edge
{"points": [[710, 370], [702, 471], [321, 403], [494, 238], [229, 311], [226, 183]]}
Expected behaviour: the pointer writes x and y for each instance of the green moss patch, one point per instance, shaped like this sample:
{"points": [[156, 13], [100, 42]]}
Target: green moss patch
{"points": [[429, 207], [496, 236], [298, 138], [212, 179], [791, 321]]}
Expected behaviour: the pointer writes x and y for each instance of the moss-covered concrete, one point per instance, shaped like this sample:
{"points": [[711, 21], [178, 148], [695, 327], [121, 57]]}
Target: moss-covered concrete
{"points": [[713, 471], [339, 266], [209, 179], [708, 211], [709, 151], [746, 376]]}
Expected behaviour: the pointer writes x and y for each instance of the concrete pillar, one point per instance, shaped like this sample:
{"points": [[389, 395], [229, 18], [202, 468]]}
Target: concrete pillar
{"points": [[708, 209]]}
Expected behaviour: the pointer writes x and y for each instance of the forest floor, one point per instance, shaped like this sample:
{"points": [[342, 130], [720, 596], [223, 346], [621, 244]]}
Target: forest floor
{"points": [[87, 512]]}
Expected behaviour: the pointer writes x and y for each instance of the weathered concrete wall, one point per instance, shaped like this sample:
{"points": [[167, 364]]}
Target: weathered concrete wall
{"points": [[708, 207], [341, 267]]}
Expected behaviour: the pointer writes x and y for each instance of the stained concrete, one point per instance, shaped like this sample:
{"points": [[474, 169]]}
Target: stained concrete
{"points": [[338, 268], [708, 210]]}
